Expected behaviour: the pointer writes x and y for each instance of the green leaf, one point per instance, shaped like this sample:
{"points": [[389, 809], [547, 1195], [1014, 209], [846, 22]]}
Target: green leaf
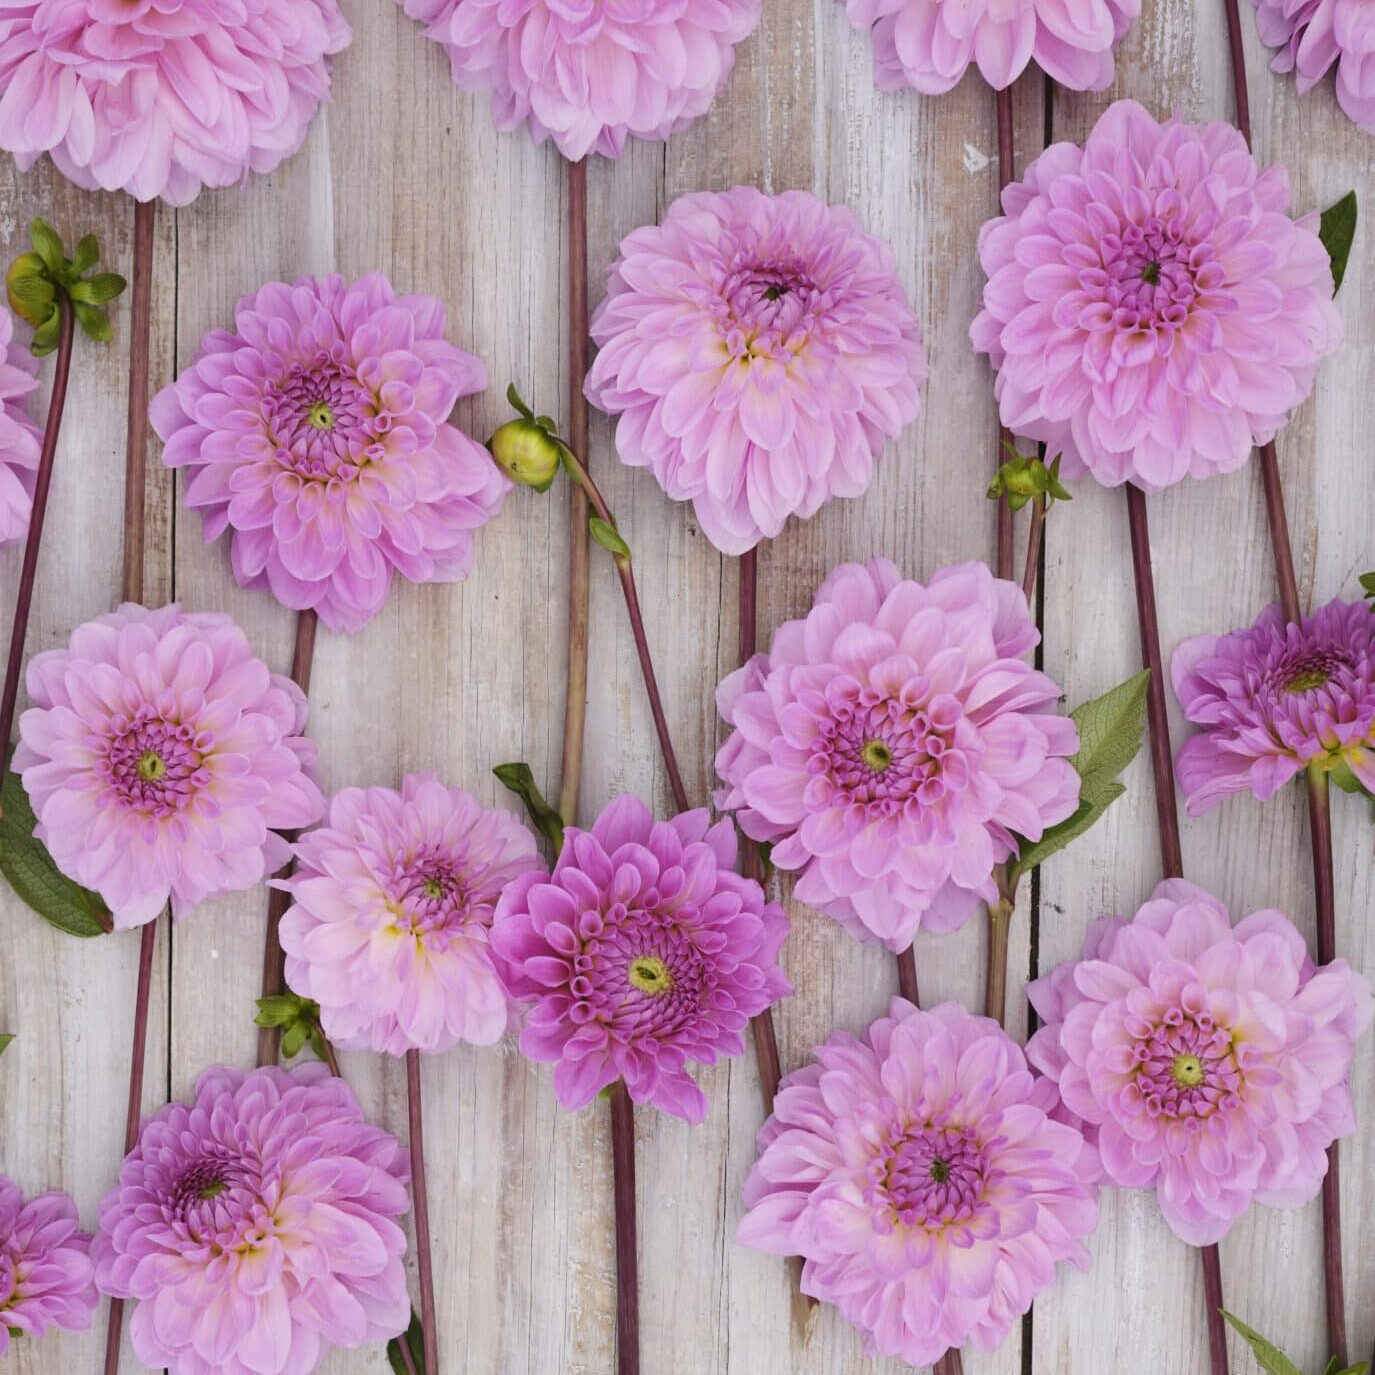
{"points": [[98, 290], [294, 1039], [1270, 1358], [87, 255], [94, 322], [414, 1337], [33, 294], [608, 537], [1056, 837], [517, 403], [5, 1038], [1368, 586], [46, 335], [519, 780], [28, 866], [47, 243], [1337, 230]]}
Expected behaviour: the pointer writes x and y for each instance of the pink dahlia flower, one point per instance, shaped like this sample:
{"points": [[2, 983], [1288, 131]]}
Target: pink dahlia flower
{"points": [[929, 45], [161, 757], [46, 1276], [392, 911], [1152, 311], [318, 430], [588, 75], [893, 745], [19, 436], [642, 951], [920, 1172], [1207, 1062], [1313, 36], [257, 1227], [163, 97], [759, 350], [1276, 698]]}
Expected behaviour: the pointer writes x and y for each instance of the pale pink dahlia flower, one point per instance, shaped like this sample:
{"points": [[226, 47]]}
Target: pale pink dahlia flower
{"points": [[920, 1172], [930, 44], [392, 903], [642, 951], [161, 759], [893, 745], [162, 97], [46, 1276], [257, 1227], [318, 431], [1207, 1062], [1275, 698], [1152, 311], [759, 351], [19, 436], [1313, 36], [588, 74]]}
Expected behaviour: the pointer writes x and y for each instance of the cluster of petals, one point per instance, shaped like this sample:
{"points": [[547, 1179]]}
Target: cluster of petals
{"points": [[257, 1227], [759, 351], [19, 437], [1207, 1062], [46, 1276], [162, 758], [160, 98], [1275, 699], [923, 1174], [392, 904], [1314, 36], [641, 953], [893, 746], [1152, 310], [318, 432], [929, 44], [589, 74]]}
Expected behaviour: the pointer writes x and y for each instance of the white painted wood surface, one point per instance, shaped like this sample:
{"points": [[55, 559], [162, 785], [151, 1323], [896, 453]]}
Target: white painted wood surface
{"points": [[405, 174]]}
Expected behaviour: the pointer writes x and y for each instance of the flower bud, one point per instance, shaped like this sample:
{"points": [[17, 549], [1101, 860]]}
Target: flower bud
{"points": [[30, 293], [527, 453]]}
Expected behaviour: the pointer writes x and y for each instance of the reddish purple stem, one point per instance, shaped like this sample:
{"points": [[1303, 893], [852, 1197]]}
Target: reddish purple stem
{"points": [[627, 1258], [420, 1200]]}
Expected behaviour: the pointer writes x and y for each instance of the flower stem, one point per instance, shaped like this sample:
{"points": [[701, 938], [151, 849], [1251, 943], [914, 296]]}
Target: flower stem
{"points": [[429, 1324], [949, 1364], [42, 483], [627, 1260], [907, 976], [1007, 167], [331, 1059], [575, 701], [1033, 547], [995, 979], [274, 959]]}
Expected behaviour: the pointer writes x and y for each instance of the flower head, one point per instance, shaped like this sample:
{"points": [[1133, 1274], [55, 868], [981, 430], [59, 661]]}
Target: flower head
{"points": [[1276, 698], [161, 757], [392, 903], [893, 745], [1313, 36], [1152, 311], [318, 430], [921, 1173], [257, 1227], [46, 1276], [929, 45], [642, 951], [587, 74], [1207, 1062], [163, 97], [758, 350], [19, 437]]}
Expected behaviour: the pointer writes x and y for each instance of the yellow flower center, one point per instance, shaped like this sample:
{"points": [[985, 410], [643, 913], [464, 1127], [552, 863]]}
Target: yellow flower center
{"points": [[321, 415], [432, 888], [877, 755], [1307, 680], [213, 1190], [1187, 1071], [650, 974], [151, 766]]}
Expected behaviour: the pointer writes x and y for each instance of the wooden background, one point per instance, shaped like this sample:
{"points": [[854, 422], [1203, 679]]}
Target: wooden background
{"points": [[406, 174]]}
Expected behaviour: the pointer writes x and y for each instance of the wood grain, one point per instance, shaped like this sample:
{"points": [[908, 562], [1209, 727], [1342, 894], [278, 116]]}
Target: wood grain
{"points": [[404, 173]]}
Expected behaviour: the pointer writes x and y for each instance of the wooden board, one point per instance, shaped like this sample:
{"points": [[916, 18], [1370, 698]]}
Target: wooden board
{"points": [[405, 174]]}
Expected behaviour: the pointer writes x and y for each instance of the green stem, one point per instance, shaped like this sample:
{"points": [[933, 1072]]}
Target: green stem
{"points": [[999, 933]]}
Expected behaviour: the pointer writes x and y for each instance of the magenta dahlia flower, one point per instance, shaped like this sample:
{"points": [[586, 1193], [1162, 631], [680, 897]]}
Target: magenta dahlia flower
{"points": [[893, 745], [46, 1276], [319, 432], [1152, 311], [1207, 1062], [257, 1227], [162, 97], [392, 911], [929, 45], [920, 1172], [588, 75], [161, 757], [758, 350], [642, 951], [19, 436], [1313, 36], [1276, 698]]}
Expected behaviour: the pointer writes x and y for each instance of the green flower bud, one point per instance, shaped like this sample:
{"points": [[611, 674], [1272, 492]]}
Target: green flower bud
{"points": [[30, 293], [527, 453]]}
